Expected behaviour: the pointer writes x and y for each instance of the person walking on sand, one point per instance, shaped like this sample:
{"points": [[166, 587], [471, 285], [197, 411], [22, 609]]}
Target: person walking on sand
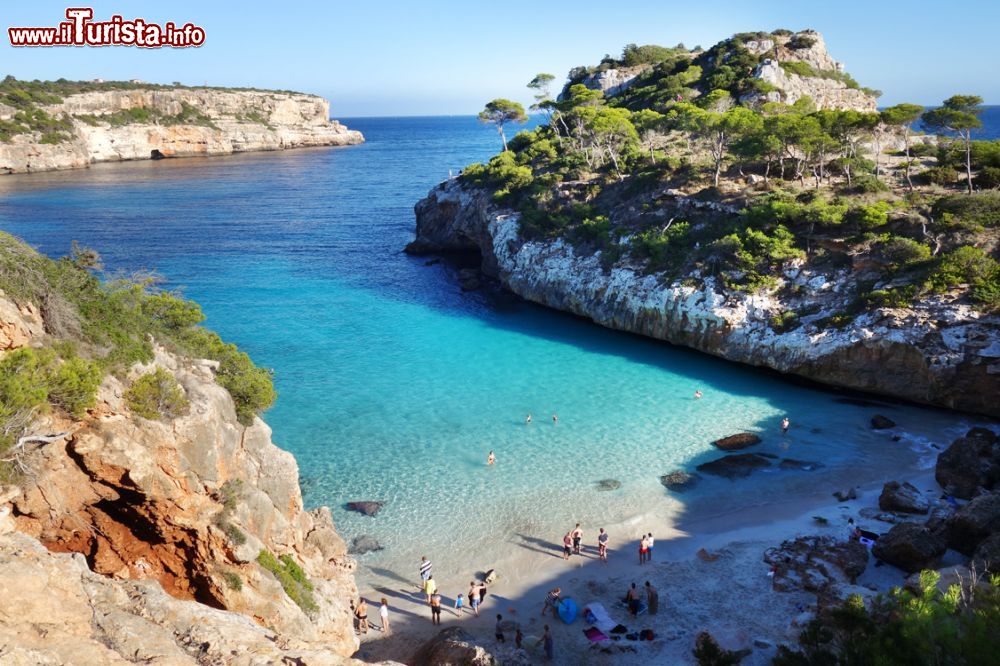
{"points": [[430, 587], [547, 643], [435, 608], [784, 426], [567, 545], [361, 614], [425, 571], [602, 545], [383, 613], [652, 598], [649, 547], [643, 549], [458, 605], [474, 597], [499, 629], [490, 459], [577, 539]]}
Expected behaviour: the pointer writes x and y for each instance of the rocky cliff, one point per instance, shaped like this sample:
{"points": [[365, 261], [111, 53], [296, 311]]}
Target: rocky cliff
{"points": [[168, 542], [136, 124], [937, 351]]}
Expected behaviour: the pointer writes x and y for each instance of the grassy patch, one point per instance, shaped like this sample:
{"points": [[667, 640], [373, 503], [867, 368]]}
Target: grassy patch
{"points": [[292, 578]]}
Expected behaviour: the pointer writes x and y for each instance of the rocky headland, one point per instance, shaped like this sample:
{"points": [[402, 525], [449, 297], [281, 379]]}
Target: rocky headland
{"points": [[108, 124]]}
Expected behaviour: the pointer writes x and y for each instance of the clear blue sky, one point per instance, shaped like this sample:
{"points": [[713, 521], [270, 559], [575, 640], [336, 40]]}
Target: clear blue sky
{"points": [[415, 58]]}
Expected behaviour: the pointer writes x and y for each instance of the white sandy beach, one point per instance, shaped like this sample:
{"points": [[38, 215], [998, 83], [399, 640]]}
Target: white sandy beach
{"points": [[730, 597]]}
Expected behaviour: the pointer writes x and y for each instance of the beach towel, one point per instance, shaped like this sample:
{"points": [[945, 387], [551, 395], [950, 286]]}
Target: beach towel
{"points": [[595, 635], [601, 619]]}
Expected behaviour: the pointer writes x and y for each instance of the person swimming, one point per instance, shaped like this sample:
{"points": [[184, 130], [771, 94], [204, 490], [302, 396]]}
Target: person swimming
{"points": [[784, 425], [491, 459], [555, 418], [697, 394], [528, 420]]}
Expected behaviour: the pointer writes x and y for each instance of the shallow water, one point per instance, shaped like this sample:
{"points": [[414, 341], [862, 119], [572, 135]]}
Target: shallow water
{"points": [[394, 385]]}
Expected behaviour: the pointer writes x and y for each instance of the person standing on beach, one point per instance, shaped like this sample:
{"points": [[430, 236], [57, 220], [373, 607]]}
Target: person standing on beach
{"points": [[499, 629], [430, 587], [649, 547], [652, 598], [361, 614], [602, 545], [567, 545], [577, 538], [435, 608], [458, 605], [552, 602], [490, 459], [482, 592], [643, 547], [474, 597], [547, 643], [383, 613], [632, 600], [518, 637], [425, 571], [784, 426]]}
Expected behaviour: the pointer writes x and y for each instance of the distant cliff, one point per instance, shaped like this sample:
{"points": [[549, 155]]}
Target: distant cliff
{"points": [[49, 132]]}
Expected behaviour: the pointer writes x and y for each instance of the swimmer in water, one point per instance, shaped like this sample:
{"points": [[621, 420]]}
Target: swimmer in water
{"points": [[784, 425], [697, 394], [555, 418], [528, 420], [491, 459]]}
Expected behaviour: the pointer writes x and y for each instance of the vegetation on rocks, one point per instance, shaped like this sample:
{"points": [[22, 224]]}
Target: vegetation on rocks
{"points": [[98, 326], [292, 578], [687, 173]]}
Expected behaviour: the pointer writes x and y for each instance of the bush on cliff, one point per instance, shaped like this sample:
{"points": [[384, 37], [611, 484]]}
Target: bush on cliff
{"points": [[292, 578], [955, 627], [157, 395]]}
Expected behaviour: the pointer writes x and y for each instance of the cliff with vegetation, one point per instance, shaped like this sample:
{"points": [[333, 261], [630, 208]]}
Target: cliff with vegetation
{"points": [[49, 125], [699, 206], [145, 513]]}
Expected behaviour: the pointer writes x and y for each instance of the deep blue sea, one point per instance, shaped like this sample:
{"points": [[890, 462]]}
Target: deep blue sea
{"points": [[394, 385]]}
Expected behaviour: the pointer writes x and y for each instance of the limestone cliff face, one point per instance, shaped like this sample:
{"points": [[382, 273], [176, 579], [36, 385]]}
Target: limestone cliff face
{"points": [[165, 521], [241, 121], [937, 352]]}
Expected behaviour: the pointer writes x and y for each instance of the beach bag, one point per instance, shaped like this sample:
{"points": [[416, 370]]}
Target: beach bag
{"points": [[491, 577], [646, 635]]}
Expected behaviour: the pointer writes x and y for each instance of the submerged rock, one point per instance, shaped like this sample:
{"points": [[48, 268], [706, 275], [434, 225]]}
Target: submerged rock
{"points": [[469, 279], [970, 464], [846, 495], [679, 481], [367, 508], [911, 547], [735, 466], [802, 465], [902, 497], [880, 422], [364, 544], [605, 485], [737, 442]]}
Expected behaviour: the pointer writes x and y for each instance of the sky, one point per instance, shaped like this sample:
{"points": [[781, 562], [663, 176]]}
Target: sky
{"points": [[372, 58]]}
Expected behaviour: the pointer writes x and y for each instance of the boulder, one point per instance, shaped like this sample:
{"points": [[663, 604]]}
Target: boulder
{"points": [[735, 466], [605, 485], [911, 547], [974, 522], [902, 497], [469, 279], [880, 422], [453, 647], [937, 519], [364, 544], [737, 442], [846, 495], [679, 481], [367, 508], [812, 563], [986, 559], [969, 464]]}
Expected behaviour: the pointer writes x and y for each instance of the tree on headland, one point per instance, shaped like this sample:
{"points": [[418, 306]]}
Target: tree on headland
{"points": [[500, 112], [959, 114], [902, 116], [542, 85]]}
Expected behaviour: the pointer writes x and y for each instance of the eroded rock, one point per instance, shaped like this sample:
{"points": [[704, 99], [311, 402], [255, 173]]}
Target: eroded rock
{"points": [[970, 464], [737, 442], [365, 508], [363, 544], [736, 466], [605, 485], [910, 546], [679, 481], [880, 422], [812, 563], [974, 522], [902, 497]]}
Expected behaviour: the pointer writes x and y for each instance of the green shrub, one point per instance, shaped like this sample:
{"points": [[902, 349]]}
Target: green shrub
{"points": [[798, 67], [785, 321], [899, 297], [972, 266], [969, 211], [868, 184], [292, 578], [799, 42], [233, 581], [157, 395], [941, 175], [903, 252], [868, 216], [233, 533], [73, 385], [988, 178]]}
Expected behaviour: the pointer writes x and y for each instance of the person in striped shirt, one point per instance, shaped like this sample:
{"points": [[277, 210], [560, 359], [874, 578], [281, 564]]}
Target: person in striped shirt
{"points": [[425, 570]]}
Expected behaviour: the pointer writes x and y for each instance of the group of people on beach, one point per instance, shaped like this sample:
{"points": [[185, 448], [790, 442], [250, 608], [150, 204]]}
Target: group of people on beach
{"points": [[572, 543]]}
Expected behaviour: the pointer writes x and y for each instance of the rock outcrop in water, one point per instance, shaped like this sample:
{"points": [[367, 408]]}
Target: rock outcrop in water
{"points": [[935, 352], [172, 122], [144, 540]]}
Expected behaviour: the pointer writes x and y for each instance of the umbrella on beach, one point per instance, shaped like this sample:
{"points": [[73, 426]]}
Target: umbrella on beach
{"points": [[568, 610]]}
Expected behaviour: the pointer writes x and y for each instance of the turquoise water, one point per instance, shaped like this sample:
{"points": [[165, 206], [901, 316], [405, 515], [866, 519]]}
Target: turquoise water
{"points": [[394, 384]]}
